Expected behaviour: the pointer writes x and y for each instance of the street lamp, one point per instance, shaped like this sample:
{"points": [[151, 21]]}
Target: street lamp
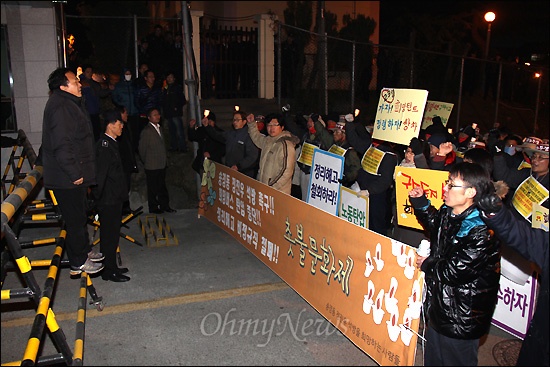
{"points": [[489, 18], [539, 77]]}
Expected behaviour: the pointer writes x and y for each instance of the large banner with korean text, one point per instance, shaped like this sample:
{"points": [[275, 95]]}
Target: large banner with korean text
{"points": [[399, 114], [367, 285]]}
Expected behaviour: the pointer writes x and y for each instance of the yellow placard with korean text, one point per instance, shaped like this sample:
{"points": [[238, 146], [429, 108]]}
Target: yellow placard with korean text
{"points": [[338, 150], [406, 178], [306, 154], [540, 217], [371, 160], [399, 114], [436, 108], [528, 192], [365, 284]]}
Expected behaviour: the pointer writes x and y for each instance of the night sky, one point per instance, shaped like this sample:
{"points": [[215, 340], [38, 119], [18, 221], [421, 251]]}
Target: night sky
{"points": [[520, 27]]}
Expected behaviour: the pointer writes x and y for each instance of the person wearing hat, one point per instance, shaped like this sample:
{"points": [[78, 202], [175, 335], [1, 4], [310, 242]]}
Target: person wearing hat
{"points": [[352, 162], [537, 153], [110, 193], [442, 155]]}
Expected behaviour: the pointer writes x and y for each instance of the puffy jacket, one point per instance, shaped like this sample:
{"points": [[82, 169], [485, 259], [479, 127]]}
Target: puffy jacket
{"points": [[533, 245], [462, 272], [124, 94], [67, 150], [277, 158]]}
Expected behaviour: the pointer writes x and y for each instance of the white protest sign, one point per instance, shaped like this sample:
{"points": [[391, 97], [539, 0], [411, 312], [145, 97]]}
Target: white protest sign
{"points": [[354, 207], [399, 114], [437, 108], [326, 169]]}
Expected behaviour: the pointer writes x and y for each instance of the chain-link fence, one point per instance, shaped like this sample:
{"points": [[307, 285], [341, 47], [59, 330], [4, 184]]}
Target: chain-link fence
{"points": [[349, 76], [353, 73]]}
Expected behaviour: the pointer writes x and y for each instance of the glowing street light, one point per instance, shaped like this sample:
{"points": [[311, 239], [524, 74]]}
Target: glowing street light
{"points": [[539, 77], [489, 18]]}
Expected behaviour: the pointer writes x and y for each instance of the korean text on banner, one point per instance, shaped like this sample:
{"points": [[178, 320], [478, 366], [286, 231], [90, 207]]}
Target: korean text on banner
{"points": [[406, 178], [365, 284], [399, 114]]}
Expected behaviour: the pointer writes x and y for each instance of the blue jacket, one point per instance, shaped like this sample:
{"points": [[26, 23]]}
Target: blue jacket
{"points": [[462, 271], [124, 94]]}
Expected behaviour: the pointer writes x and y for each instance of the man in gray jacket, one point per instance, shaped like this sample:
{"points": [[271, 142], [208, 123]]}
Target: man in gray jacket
{"points": [[68, 158], [152, 151]]}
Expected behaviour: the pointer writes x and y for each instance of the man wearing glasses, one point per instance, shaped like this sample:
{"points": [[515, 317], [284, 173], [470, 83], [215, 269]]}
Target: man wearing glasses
{"points": [[240, 152], [462, 272], [278, 152], [536, 152]]}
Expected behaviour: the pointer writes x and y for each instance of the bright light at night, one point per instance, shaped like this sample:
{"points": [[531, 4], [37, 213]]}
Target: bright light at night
{"points": [[490, 16]]}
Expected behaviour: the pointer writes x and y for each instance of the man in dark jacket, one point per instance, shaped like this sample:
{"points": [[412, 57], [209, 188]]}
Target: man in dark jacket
{"points": [[67, 154], [379, 186], [110, 193], [462, 272], [532, 243], [240, 152], [174, 110], [208, 147]]}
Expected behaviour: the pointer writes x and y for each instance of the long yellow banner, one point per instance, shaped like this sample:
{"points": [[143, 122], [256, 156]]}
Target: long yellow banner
{"points": [[365, 284]]}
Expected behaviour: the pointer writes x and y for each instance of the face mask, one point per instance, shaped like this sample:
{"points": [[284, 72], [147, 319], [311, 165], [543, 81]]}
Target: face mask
{"points": [[127, 77], [510, 150]]}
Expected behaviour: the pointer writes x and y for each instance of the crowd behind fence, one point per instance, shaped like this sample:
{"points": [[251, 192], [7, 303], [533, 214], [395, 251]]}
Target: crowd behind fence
{"points": [[351, 76]]}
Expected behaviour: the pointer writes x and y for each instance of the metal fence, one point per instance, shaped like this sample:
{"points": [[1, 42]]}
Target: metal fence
{"points": [[327, 74], [353, 73]]}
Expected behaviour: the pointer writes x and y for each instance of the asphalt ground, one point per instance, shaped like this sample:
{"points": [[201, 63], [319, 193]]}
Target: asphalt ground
{"points": [[203, 301]]}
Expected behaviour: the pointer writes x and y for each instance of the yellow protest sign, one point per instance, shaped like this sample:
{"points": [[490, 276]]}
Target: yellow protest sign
{"points": [[371, 160], [432, 181], [338, 150], [528, 192], [306, 154]]}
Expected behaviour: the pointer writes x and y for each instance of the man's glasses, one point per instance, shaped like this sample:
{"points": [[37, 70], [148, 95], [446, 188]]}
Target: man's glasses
{"points": [[538, 157], [237, 119], [273, 125], [450, 185]]}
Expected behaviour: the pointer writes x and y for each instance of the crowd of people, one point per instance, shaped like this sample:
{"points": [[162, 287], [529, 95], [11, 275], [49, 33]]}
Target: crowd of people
{"points": [[465, 256], [463, 269]]}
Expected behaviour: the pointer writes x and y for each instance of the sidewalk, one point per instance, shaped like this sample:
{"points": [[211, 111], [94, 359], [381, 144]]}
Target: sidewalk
{"points": [[204, 301]]}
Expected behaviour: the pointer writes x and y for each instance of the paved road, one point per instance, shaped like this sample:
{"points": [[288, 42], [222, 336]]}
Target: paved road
{"points": [[205, 301]]}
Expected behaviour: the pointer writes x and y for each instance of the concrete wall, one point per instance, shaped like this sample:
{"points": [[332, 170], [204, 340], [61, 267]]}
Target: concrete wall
{"points": [[33, 55], [31, 33]]}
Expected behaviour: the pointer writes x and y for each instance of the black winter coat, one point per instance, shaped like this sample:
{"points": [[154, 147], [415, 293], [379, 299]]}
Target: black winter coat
{"points": [[239, 149], [533, 245], [173, 101], [462, 271], [111, 180], [67, 150]]}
